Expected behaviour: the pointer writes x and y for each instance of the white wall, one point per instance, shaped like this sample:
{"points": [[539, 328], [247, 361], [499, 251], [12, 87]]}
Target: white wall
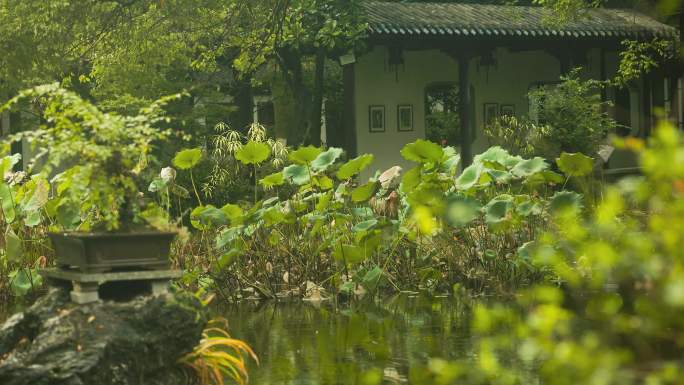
{"points": [[376, 84], [507, 83]]}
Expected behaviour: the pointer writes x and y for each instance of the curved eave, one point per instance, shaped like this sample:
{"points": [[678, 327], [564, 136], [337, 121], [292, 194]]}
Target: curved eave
{"points": [[523, 33]]}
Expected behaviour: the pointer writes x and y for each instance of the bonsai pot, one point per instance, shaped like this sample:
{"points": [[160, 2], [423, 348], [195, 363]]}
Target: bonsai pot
{"points": [[101, 252]]}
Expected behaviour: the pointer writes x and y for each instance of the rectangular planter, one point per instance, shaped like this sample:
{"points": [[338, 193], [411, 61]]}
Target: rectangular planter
{"points": [[100, 252]]}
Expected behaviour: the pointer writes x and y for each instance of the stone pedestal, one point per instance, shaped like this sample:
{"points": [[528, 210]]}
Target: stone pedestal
{"points": [[85, 286]]}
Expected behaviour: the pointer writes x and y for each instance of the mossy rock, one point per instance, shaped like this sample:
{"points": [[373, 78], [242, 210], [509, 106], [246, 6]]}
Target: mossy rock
{"points": [[56, 342]]}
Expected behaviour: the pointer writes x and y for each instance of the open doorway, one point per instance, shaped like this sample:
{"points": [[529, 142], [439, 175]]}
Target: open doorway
{"points": [[442, 123]]}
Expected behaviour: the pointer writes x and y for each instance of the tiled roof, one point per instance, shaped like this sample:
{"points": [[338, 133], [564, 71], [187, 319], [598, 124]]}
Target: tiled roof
{"points": [[458, 19]]}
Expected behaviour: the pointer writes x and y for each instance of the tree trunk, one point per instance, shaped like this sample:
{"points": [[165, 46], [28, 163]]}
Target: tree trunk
{"points": [[300, 127], [242, 118], [293, 71], [314, 137]]}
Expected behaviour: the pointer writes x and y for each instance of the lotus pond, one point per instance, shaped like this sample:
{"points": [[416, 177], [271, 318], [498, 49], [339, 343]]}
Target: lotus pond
{"points": [[368, 342], [372, 341]]}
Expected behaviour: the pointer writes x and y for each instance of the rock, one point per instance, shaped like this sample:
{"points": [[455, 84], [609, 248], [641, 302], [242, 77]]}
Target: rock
{"points": [[138, 342]]}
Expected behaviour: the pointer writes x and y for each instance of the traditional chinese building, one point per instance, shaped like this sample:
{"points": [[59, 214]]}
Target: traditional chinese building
{"points": [[420, 54]]}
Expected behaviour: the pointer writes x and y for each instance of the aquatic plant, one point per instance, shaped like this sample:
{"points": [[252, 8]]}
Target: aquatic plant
{"points": [[426, 229], [24, 222], [218, 357]]}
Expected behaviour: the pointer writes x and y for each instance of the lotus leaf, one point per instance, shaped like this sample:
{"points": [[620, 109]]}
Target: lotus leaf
{"points": [[229, 258], [305, 155], [450, 161], [461, 210], [546, 176], [529, 167], [364, 192], [203, 217], [23, 280], [323, 182], [272, 216], [297, 174], [7, 202], [234, 213], [253, 153], [39, 196], [410, 180], [498, 209], [33, 218], [365, 225], [157, 184], [323, 201], [188, 158], [498, 155], [528, 208], [68, 215], [326, 159], [13, 247], [372, 279], [272, 180], [228, 236], [469, 177], [8, 162], [566, 201], [576, 164], [422, 151], [348, 253], [354, 166]]}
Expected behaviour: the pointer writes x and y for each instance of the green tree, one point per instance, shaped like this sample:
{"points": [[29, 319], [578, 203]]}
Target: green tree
{"points": [[299, 35]]}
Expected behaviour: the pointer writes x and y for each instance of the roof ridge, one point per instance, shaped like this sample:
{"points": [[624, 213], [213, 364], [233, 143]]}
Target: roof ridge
{"points": [[491, 19]]}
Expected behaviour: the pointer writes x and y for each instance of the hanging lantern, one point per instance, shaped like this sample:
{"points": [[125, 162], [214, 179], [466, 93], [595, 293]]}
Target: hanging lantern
{"points": [[396, 59], [487, 60]]}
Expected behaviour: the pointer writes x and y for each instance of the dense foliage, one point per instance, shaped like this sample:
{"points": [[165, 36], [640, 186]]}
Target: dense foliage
{"points": [[616, 316], [257, 219], [309, 226], [316, 230], [126, 54], [88, 180]]}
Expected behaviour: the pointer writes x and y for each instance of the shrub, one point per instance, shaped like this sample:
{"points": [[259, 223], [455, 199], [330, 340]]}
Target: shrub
{"points": [[226, 180], [94, 159], [90, 168], [617, 316], [522, 137], [574, 112]]}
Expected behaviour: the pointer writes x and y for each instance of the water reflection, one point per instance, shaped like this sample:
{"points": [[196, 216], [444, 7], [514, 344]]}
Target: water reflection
{"points": [[331, 343]]}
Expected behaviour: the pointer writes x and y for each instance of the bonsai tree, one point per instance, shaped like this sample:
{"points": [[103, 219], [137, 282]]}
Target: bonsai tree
{"points": [[94, 159]]}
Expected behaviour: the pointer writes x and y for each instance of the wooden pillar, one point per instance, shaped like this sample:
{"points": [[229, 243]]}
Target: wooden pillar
{"points": [[464, 109], [565, 63], [647, 124], [604, 77], [349, 108], [679, 73]]}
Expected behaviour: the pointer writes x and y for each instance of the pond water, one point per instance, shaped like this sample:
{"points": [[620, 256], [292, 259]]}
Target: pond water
{"points": [[327, 343], [305, 343]]}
